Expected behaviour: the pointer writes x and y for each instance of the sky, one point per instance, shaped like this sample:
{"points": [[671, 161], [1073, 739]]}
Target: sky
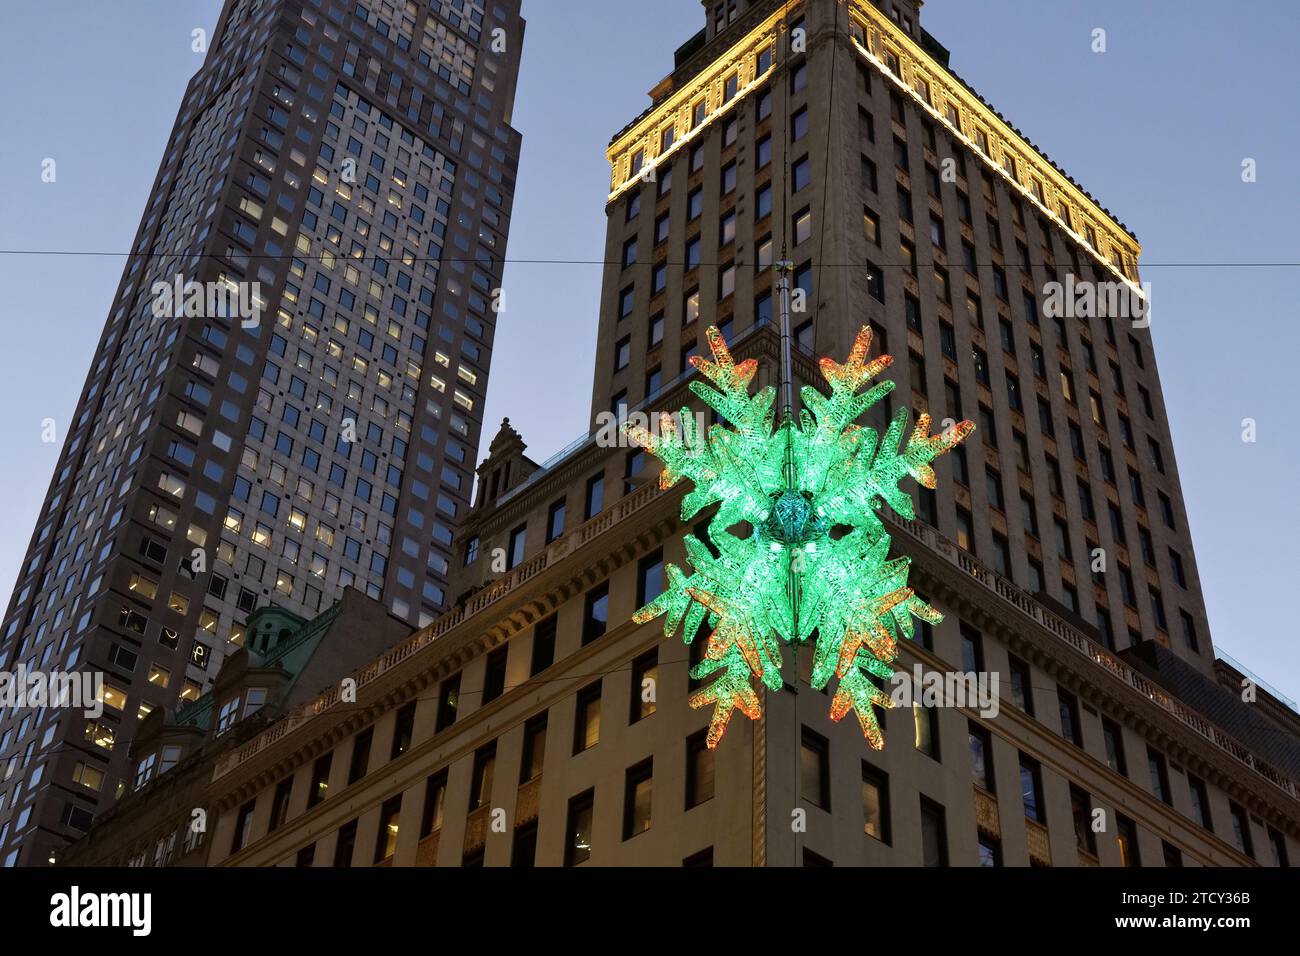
{"points": [[1157, 128]]}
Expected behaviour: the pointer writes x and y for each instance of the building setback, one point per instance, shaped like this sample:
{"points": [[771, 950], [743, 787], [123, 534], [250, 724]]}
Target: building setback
{"points": [[536, 723], [337, 188]]}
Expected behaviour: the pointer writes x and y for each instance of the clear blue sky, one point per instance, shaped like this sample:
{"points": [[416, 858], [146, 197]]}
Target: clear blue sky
{"points": [[1156, 128]]}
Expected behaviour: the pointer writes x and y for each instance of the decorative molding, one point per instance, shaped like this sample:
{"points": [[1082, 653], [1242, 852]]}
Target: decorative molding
{"points": [[934, 89]]}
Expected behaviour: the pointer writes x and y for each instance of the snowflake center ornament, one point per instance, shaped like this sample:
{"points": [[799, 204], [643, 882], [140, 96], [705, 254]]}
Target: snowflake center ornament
{"points": [[792, 579]]}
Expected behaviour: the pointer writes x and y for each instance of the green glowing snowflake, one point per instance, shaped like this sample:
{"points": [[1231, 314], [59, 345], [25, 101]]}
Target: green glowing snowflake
{"points": [[816, 563]]}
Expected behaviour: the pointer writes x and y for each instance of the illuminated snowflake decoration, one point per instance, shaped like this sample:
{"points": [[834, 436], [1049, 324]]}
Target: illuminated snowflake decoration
{"points": [[815, 563]]}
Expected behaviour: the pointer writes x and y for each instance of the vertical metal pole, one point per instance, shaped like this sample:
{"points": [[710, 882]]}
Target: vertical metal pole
{"points": [[784, 269]]}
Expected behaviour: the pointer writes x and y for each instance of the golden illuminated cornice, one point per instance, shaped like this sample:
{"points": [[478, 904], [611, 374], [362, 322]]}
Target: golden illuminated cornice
{"points": [[934, 89], [940, 94], [642, 144]]}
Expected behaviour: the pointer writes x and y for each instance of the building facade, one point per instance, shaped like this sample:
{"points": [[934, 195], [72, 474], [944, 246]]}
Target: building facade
{"points": [[537, 724], [288, 391]]}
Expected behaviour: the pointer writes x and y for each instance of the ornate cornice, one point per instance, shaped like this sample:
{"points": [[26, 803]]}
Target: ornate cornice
{"points": [[934, 89]]}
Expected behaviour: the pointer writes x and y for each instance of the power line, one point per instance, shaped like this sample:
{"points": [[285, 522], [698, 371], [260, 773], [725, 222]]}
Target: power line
{"points": [[92, 253]]}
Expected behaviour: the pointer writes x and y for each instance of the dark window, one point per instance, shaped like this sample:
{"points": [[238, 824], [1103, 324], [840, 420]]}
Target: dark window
{"points": [[586, 727], [1200, 802], [875, 803], [448, 703], [494, 681], [595, 618], [1277, 846], [815, 770], [699, 770], [515, 556], [435, 798], [577, 833], [1159, 775], [555, 521], [1127, 838], [280, 803], [972, 649], [389, 819], [595, 496], [243, 827], [1241, 829], [645, 680], [990, 850], [320, 780], [1022, 692], [523, 852], [360, 762], [981, 756], [534, 757], [346, 845], [638, 791], [480, 785], [934, 834], [1114, 737], [1069, 710], [543, 645], [1081, 809], [1031, 789], [404, 731]]}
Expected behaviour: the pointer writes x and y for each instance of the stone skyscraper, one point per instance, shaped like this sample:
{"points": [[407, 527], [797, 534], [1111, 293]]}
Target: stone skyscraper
{"points": [[345, 172], [538, 723]]}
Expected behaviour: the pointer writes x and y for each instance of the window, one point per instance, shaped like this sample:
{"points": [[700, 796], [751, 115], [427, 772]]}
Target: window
{"points": [[320, 780], [981, 757], [1200, 802], [360, 762], [799, 125], [243, 827], [637, 794], [1159, 775], [1127, 839], [448, 703], [1069, 711], [577, 848], [346, 845], [645, 679], [1241, 829], [595, 618], [435, 796], [480, 787], [801, 174], [801, 226], [386, 838], [404, 731], [1277, 846], [227, 716], [875, 282], [815, 770], [875, 803], [595, 500], [990, 850], [280, 803], [934, 834], [494, 679], [1081, 810], [543, 646], [1031, 789], [587, 725], [1114, 738], [699, 770], [926, 739], [972, 649], [534, 757], [515, 555], [523, 852]]}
